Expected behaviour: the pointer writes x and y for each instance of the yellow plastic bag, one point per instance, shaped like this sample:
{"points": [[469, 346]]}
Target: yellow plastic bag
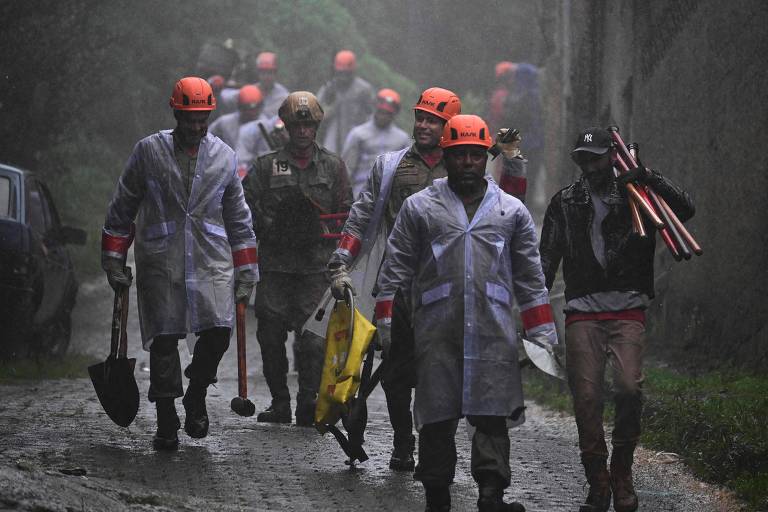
{"points": [[343, 363]]}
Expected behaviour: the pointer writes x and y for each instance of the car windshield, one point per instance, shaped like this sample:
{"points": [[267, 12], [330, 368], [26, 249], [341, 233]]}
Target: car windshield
{"points": [[7, 207]]}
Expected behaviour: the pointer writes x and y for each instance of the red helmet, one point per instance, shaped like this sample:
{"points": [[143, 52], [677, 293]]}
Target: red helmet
{"points": [[466, 130], [345, 60], [388, 99], [440, 102], [192, 93], [266, 60], [249, 96], [504, 68]]}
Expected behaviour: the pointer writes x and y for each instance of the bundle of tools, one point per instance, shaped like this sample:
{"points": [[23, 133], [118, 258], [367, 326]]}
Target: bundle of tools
{"points": [[644, 200]]}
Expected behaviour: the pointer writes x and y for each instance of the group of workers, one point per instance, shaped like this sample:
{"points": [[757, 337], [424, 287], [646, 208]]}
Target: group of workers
{"points": [[461, 253]]}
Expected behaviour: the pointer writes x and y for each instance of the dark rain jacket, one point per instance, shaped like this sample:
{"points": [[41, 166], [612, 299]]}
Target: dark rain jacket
{"points": [[566, 236]]}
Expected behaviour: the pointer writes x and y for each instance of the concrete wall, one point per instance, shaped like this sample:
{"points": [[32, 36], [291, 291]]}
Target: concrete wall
{"points": [[688, 81]]}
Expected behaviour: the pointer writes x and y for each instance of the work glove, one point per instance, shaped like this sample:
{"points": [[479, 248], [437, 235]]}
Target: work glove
{"points": [[339, 281], [118, 275], [245, 281], [507, 143], [639, 174], [384, 335], [243, 290]]}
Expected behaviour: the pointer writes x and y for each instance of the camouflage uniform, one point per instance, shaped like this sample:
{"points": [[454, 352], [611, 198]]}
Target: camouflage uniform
{"points": [[286, 201]]}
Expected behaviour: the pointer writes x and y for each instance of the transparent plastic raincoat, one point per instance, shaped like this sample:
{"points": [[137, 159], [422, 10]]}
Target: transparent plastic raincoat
{"points": [[187, 248], [461, 277]]}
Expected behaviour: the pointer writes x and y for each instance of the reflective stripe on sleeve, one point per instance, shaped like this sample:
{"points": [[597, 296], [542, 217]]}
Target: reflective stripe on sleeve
{"points": [[245, 257], [514, 185], [349, 245], [537, 316], [115, 246]]}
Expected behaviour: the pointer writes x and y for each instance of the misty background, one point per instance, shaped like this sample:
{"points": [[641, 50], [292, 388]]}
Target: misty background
{"points": [[82, 81]]}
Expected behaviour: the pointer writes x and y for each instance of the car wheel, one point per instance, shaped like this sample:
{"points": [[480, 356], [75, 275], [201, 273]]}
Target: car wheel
{"points": [[58, 336]]}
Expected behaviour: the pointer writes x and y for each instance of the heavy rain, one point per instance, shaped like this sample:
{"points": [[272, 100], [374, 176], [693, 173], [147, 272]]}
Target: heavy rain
{"points": [[383, 255]]}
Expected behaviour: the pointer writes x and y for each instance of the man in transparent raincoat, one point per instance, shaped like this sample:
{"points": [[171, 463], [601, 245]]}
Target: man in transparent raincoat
{"points": [[462, 249], [195, 253]]}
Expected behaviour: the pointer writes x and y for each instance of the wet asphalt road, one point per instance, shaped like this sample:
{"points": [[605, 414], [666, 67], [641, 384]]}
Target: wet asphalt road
{"points": [[56, 427]]}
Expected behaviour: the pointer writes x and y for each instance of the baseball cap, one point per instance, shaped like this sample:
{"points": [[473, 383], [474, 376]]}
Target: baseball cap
{"points": [[594, 140]]}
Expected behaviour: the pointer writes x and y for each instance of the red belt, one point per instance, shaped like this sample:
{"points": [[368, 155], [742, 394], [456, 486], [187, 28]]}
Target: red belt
{"points": [[637, 315]]}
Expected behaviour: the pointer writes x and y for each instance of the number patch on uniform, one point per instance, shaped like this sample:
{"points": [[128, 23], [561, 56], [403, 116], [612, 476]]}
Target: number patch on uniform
{"points": [[280, 168]]}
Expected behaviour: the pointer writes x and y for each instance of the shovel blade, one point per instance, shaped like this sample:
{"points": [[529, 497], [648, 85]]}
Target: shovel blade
{"points": [[116, 388]]}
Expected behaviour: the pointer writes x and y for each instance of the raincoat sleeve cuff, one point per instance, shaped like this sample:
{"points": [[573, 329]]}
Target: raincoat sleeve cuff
{"points": [[245, 261], [115, 244], [349, 246], [384, 310], [539, 322]]}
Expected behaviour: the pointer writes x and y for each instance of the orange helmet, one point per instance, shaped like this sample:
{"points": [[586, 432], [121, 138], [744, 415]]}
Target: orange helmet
{"points": [[345, 60], [505, 68], [466, 130], [192, 93], [266, 60], [440, 102], [249, 96], [216, 82], [388, 99]]}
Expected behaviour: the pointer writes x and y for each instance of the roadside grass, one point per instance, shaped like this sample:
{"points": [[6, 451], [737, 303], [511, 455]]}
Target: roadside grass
{"points": [[717, 422], [72, 366]]}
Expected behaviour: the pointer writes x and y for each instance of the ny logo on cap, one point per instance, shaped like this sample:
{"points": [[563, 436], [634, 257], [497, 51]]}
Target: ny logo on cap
{"points": [[303, 101], [588, 137]]}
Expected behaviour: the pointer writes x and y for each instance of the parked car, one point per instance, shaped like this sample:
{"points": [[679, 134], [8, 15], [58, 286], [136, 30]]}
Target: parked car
{"points": [[37, 282]]}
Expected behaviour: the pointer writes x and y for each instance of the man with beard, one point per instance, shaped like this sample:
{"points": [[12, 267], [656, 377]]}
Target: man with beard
{"points": [[462, 249], [195, 253], [288, 190], [608, 274]]}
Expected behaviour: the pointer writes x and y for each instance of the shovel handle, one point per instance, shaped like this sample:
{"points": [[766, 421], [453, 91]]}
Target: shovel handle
{"points": [[122, 350], [242, 376], [115, 339]]}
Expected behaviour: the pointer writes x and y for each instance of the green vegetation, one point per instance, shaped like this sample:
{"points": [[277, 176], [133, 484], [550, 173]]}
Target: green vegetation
{"points": [[73, 366], [715, 421]]}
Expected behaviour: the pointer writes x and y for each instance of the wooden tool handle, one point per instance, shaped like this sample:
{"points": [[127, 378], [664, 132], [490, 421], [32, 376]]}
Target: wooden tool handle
{"points": [[242, 374]]}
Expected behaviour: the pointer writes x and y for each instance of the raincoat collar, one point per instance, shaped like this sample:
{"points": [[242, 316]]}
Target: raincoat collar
{"points": [[454, 203]]}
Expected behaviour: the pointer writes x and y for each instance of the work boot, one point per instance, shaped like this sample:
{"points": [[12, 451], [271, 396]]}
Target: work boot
{"points": [[599, 497], [168, 424], [196, 420], [438, 498], [402, 455], [624, 497], [277, 412], [491, 496], [305, 414]]}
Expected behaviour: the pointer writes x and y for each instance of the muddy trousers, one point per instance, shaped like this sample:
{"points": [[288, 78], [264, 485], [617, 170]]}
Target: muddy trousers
{"points": [[272, 334], [590, 346], [165, 365], [490, 452], [398, 377]]}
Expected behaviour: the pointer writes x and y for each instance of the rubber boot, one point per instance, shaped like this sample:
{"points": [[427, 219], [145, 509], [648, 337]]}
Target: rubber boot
{"points": [[599, 497], [491, 496], [279, 411], [168, 424], [196, 421], [438, 498], [402, 455], [624, 497]]}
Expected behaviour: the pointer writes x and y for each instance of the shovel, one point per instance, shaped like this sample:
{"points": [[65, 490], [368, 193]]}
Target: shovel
{"points": [[240, 404], [113, 379]]}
